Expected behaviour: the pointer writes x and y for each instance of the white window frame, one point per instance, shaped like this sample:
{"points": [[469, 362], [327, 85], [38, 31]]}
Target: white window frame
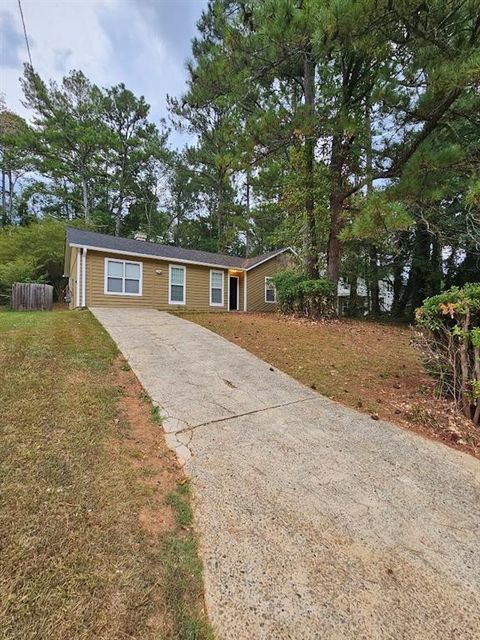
{"points": [[184, 269], [274, 291], [222, 303], [122, 293]]}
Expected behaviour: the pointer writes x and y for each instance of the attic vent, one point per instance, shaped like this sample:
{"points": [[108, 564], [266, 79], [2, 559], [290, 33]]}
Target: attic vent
{"points": [[140, 236]]}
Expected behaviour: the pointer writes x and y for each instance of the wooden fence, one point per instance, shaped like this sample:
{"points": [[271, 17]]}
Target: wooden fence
{"points": [[30, 296]]}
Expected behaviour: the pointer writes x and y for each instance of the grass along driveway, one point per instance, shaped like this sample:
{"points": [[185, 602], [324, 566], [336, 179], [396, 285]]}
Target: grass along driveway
{"points": [[366, 365], [95, 523]]}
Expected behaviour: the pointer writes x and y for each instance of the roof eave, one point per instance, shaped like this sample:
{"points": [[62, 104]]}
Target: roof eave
{"points": [[278, 253], [137, 254]]}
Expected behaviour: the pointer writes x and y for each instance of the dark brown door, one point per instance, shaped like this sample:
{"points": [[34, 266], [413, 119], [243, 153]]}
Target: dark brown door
{"points": [[233, 298]]}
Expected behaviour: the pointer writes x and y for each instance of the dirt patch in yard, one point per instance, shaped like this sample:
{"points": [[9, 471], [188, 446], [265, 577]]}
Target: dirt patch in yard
{"points": [[94, 540], [366, 365]]}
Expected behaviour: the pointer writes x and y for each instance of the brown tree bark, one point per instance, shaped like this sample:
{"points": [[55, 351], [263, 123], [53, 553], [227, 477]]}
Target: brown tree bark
{"points": [[374, 285], [4, 198], [334, 246], [476, 356], [310, 231], [467, 407]]}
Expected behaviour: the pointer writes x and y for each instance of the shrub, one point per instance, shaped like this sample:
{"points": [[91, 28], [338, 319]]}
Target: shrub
{"points": [[32, 253], [299, 295], [450, 344]]}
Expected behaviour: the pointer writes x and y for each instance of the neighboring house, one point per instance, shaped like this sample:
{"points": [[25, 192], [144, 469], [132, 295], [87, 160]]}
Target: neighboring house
{"points": [[386, 296], [107, 271]]}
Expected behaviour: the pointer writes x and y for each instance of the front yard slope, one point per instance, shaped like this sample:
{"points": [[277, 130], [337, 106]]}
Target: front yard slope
{"points": [[91, 546], [369, 366]]}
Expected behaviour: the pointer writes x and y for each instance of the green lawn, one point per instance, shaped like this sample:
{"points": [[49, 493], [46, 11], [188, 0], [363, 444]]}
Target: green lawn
{"points": [[95, 524]]}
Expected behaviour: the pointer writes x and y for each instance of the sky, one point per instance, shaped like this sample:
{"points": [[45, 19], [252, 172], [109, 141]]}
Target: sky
{"points": [[143, 43]]}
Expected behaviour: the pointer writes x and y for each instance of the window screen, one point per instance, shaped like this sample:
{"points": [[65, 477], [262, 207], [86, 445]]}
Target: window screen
{"points": [[216, 288]]}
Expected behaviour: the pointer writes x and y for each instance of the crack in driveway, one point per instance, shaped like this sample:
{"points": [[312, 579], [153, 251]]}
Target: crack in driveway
{"points": [[246, 413], [315, 521]]}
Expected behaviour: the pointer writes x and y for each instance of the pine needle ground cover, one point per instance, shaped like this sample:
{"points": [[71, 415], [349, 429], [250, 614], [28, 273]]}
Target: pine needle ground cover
{"points": [[96, 536], [370, 366]]}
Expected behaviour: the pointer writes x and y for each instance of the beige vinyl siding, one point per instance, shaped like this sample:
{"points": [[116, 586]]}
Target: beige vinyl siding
{"points": [[96, 296], [241, 295], [154, 287], [198, 289], [256, 283]]}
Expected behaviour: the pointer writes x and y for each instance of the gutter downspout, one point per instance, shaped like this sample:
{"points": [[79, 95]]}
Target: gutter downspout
{"points": [[77, 291], [84, 277]]}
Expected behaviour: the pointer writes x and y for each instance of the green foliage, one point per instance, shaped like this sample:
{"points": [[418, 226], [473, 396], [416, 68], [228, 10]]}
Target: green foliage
{"points": [[475, 337], [378, 218], [20, 269], [97, 155], [298, 294], [346, 129], [450, 309], [385, 109], [450, 323], [33, 253]]}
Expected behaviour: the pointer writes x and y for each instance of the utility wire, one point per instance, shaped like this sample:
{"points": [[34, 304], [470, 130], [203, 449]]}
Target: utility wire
{"points": [[25, 33]]}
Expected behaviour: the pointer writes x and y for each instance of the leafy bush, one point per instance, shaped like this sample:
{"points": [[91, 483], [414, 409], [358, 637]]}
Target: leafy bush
{"points": [[32, 253], [450, 344], [299, 295]]}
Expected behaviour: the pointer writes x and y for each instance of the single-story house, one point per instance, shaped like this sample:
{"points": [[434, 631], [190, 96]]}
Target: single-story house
{"points": [[108, 271]]}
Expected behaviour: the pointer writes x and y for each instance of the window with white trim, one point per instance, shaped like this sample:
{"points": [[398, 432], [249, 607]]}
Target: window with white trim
{"points": [[270, 292], [216, 288], [176, 285], [123, 277]]}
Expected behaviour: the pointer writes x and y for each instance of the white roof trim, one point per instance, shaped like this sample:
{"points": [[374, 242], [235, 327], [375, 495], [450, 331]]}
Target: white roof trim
{"points": [[279, 252], [180, 260], [163, 258]]}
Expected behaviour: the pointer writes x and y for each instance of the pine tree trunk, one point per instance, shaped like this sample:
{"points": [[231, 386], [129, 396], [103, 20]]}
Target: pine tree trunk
{"points": [[467, 407], [86, 209], [374, 289], [476, 356], [374, 286], [334, 246], [310, 233], [450, 268], [220, 216], [353, 297], [436, 267], [247, 226], [398, 267], [10, 197], [4, 199], [417, 286]]}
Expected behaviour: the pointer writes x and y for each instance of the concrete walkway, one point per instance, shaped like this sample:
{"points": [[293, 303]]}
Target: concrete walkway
{"points": [[316, 522]]}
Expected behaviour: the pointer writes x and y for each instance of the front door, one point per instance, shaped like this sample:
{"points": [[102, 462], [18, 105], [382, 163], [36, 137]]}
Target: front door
{"points": [[233, 297]]}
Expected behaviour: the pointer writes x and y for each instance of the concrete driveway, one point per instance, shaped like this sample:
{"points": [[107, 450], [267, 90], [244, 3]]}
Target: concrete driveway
{"points": [[316, 522]]}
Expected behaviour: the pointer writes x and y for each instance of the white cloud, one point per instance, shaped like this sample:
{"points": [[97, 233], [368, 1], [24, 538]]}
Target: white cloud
{"points": [[54, 26], [142, 43]]}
